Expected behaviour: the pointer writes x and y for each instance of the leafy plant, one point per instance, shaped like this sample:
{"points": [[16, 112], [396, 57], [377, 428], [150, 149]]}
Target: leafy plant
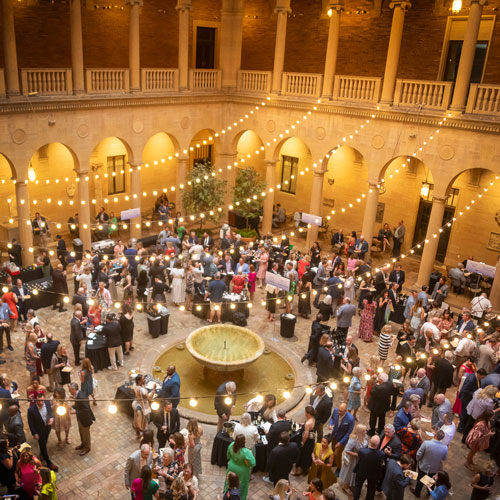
{"points": [[247, 233], [247, 193], [204, 193]]}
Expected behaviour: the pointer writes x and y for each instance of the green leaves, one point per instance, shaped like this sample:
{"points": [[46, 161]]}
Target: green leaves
{"points": [[247, 193]]}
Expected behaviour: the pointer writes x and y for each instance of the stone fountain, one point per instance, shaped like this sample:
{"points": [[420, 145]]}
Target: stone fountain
{"points": [[224, 350]]}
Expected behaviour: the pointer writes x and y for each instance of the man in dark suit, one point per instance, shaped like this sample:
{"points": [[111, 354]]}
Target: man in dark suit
{"points": [[471, 384], [15, 426], [442, 377], [84, 416], [59, 287], [208, 241], [465, 323], [403, 416], [317, 330], [77, 334], [325, 365], [440, 292], [341, 424], [223, 408], [22, 299], [394, 483], [15, 254], [274, 433], [61, 250], [49, 347], [167, 422], [393, 294], [322, 403], [171, 386], [282, 458], [397, 275], [369, 468], [113, 333], [81, 298], [391, 445], [40, 420], [406, 349], [380, 402]]}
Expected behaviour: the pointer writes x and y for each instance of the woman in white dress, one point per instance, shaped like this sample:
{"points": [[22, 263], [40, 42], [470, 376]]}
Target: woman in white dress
{"points": [[356, 441], [349, 290], [177, 284], [249, 430]]}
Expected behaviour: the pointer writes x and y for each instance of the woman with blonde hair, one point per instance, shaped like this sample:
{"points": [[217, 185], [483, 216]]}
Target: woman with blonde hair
{"points": [[282, 490], [179, 490], [30, 355], [248, 430], [195, 431], [59, 365], [482, 400], [357, 440], [140, 405]]}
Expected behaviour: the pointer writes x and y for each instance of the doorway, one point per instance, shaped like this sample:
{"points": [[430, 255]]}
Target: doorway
{"points": [[206, 40], [453, 60], [423, 216]]}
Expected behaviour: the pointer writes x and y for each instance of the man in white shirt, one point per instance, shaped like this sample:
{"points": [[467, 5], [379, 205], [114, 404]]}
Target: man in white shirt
{"points": [[431, 325], [463, 352], [449, 428], [480, 305], [297, 218]]}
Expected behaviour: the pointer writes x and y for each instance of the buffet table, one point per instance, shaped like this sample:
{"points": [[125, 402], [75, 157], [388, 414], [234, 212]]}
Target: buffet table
{"points": [[97, 351]]}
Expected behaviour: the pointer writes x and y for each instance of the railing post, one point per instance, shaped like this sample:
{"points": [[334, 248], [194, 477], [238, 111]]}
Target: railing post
{"points": [[471, 100]]}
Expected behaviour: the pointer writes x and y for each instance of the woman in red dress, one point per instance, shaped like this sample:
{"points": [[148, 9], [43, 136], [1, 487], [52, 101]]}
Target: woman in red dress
{"points": [[465, 369], [10, 299]]}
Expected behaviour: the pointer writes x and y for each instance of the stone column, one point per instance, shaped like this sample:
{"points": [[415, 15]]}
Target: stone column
{"points": [[75, 16], [461, 89], [84, 210], [9, 49], [231, 40], [24, 221], [282, 9], [335, 7], [370, 214], [182, 166], [135, 195], [495, 290], [222, 160], [392, 61], [134, 46], [183, 8], [315, 206], [267, 216], [430, 249]]}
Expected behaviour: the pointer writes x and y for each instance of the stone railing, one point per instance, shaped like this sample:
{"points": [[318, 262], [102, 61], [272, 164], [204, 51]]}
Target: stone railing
{"points": [[356, 88], [254, 81], [46, 81], [160, 80], [302, 84], [204, 79], [107, 80], [2, 83], [417, 93], [484, 99]]}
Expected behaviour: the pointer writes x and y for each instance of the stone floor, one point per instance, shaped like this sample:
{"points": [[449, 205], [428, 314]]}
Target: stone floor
{"points": [[100, 473]]}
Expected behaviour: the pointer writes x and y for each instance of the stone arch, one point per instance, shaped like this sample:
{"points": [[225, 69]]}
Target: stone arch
{"points": [[331, 153], [250, 150], [203, 144], [167, 137], [401, 162], [5, 162]]}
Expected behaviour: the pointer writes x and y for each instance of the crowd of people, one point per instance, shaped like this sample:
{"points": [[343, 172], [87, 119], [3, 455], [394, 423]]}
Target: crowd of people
{"points": [[444, 360]]}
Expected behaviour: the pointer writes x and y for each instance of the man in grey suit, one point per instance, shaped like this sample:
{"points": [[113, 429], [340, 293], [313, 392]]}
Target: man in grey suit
{"points": [[440, 291], [344, 317], [394, 481], [136, 462]]}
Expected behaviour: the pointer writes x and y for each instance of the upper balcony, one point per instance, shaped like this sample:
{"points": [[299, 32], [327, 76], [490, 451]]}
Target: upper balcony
{"points": [[418, 96]]}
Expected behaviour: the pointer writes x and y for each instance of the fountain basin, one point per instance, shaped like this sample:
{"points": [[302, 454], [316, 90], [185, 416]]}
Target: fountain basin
{"points": [[225, 348]]}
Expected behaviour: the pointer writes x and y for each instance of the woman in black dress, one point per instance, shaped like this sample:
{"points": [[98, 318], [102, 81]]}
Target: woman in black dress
{"points": [[127, 328], [381, 316], [315, 254], [308, 440], [305, 286]]}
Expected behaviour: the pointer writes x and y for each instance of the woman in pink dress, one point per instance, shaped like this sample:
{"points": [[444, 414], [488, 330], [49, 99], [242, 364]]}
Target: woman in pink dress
{"points": [[263, 263], [252, 277], [365, 331], [27, 473], [465, 369]]}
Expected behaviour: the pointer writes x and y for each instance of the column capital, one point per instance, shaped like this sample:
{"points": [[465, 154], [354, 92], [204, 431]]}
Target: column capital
{"points": [[373, 185], [319, 173], [134, 2], [480, 2], [282, 7], [134, 164], [183, 5], [439, 200], [403, 4], [336, 5], [271, 163], [82, 173]]}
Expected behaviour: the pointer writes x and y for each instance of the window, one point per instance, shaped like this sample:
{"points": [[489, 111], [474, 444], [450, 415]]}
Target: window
{"points": [[289, 170], [205, 47], [451, 201], [116, 174], [452, 48], [203, 154]]}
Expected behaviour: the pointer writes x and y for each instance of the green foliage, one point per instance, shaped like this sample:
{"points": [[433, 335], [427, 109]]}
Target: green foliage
{"points": [[247, 233], [247, 193], [203, 193]]}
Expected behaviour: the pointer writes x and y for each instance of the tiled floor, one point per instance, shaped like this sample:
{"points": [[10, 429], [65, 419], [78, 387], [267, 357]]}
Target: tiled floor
{"points": [[100, 473]]}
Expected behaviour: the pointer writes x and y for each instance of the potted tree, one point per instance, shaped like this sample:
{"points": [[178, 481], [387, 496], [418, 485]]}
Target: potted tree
{"points": [[204, 193], [248, 194]]}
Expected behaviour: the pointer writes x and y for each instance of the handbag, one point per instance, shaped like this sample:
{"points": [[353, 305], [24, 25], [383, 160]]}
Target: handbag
{"points": [[94, 383]]}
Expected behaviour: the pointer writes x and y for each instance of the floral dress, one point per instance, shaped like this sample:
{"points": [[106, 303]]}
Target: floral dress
{"points": [[365, 331], [189, 283], [410, 442]]}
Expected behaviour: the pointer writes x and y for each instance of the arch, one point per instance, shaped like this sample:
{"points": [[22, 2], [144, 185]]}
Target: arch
{"points": [[60, 149], [244, 135], [160, 148], [203, 145], [250, 151], [402, 161], [357, 156], [474, 172], [6, 162], [115, 142], [167, 137]]}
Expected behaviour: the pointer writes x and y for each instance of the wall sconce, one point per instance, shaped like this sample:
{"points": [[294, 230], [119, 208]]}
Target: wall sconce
{"points": [[424, 190], [31, 173], [456, 6]]}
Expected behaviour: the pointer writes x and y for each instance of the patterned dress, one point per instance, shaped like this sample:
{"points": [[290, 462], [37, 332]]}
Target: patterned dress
{"points": [[194, 456], [365, 331], [354, 400]]}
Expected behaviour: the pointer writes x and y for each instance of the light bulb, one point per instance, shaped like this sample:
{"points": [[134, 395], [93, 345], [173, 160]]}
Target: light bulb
{"points": [[346, 380], [228, 400], [66, 300], [380, 369], [333, 386], [117, 305], [138, 307], [309, 390], [61, 410], [5, 289], [155, 405], [112, 408], [286, 394], [259, 398], [367, 377], [182, 308], [193, 402]]}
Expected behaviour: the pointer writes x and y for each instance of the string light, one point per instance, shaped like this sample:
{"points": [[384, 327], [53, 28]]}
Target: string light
{"points": [[61, 410], [155, 405], [112, 408], [228, 400]]}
